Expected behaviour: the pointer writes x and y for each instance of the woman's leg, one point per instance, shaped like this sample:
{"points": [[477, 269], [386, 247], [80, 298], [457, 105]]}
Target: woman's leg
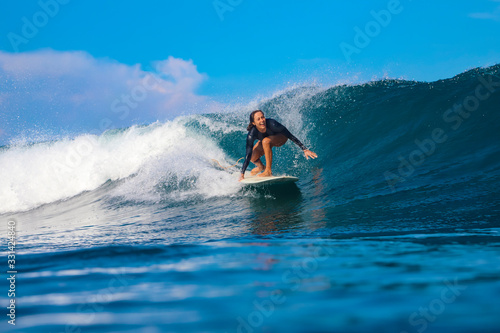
{"points": [[267, 145], [257, 153]]}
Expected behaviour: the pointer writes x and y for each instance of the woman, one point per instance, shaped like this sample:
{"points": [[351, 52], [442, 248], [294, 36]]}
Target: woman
{"points": [[270, 133]]}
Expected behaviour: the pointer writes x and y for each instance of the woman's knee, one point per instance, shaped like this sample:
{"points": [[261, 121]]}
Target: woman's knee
{"points": [[266, 141]]}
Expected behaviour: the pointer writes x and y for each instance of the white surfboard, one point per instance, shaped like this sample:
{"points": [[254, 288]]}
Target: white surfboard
{"points": [[256, 180]]}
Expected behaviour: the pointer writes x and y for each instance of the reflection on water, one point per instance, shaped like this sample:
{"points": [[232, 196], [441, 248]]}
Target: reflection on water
{"points": [[286, 207], [275, 208]]}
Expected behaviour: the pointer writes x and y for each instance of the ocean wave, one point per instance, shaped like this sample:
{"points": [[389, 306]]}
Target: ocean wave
{"points": [[379, 137]]}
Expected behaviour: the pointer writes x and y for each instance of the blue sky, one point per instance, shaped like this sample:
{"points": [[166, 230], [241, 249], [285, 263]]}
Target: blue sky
{"points": [[79, 57]]}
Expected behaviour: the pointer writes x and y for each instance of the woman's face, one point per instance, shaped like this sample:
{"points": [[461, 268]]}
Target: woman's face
{"points": [[260, 121]]}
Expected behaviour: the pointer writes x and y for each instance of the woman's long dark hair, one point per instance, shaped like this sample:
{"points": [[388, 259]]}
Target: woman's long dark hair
{"points": [[252, 115]]}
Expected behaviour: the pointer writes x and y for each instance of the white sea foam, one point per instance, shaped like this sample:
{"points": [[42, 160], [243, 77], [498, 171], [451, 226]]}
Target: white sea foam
{"points": [[146, 157]]}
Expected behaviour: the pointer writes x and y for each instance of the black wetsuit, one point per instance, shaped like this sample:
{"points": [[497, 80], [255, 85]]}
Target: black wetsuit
{"points": [[272, 128]]}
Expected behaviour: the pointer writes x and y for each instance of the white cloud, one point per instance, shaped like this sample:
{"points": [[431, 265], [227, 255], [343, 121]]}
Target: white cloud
{"points": [[55, 88], [494, 15]]}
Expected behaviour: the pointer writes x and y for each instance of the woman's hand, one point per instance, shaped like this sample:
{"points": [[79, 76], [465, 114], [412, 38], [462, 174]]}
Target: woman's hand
{"points": [[310, 154], [242, 176]]}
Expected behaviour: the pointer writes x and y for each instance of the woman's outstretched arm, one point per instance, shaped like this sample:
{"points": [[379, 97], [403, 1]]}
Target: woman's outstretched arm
{"points": [[279, 128]]}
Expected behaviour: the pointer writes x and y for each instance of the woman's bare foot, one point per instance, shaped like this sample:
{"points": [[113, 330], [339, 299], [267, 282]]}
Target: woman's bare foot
{"points": [[256, 170], [266, 173]]}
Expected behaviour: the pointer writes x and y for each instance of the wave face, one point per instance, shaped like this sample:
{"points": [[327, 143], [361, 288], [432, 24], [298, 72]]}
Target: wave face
{"points": [[373, 139]]}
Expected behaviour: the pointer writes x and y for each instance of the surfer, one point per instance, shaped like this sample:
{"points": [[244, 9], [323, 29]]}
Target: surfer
{"points": [[270, 133]]}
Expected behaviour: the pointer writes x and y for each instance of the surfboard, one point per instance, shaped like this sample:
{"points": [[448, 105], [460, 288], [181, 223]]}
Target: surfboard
{"points": [[271, 180]]}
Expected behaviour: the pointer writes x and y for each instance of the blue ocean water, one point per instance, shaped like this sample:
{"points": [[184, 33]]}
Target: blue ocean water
{"points": [[394, 228]]}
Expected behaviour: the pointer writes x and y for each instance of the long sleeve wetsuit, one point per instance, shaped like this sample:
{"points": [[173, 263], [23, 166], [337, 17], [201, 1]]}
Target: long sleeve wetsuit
{"points": [[272, 128]]}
